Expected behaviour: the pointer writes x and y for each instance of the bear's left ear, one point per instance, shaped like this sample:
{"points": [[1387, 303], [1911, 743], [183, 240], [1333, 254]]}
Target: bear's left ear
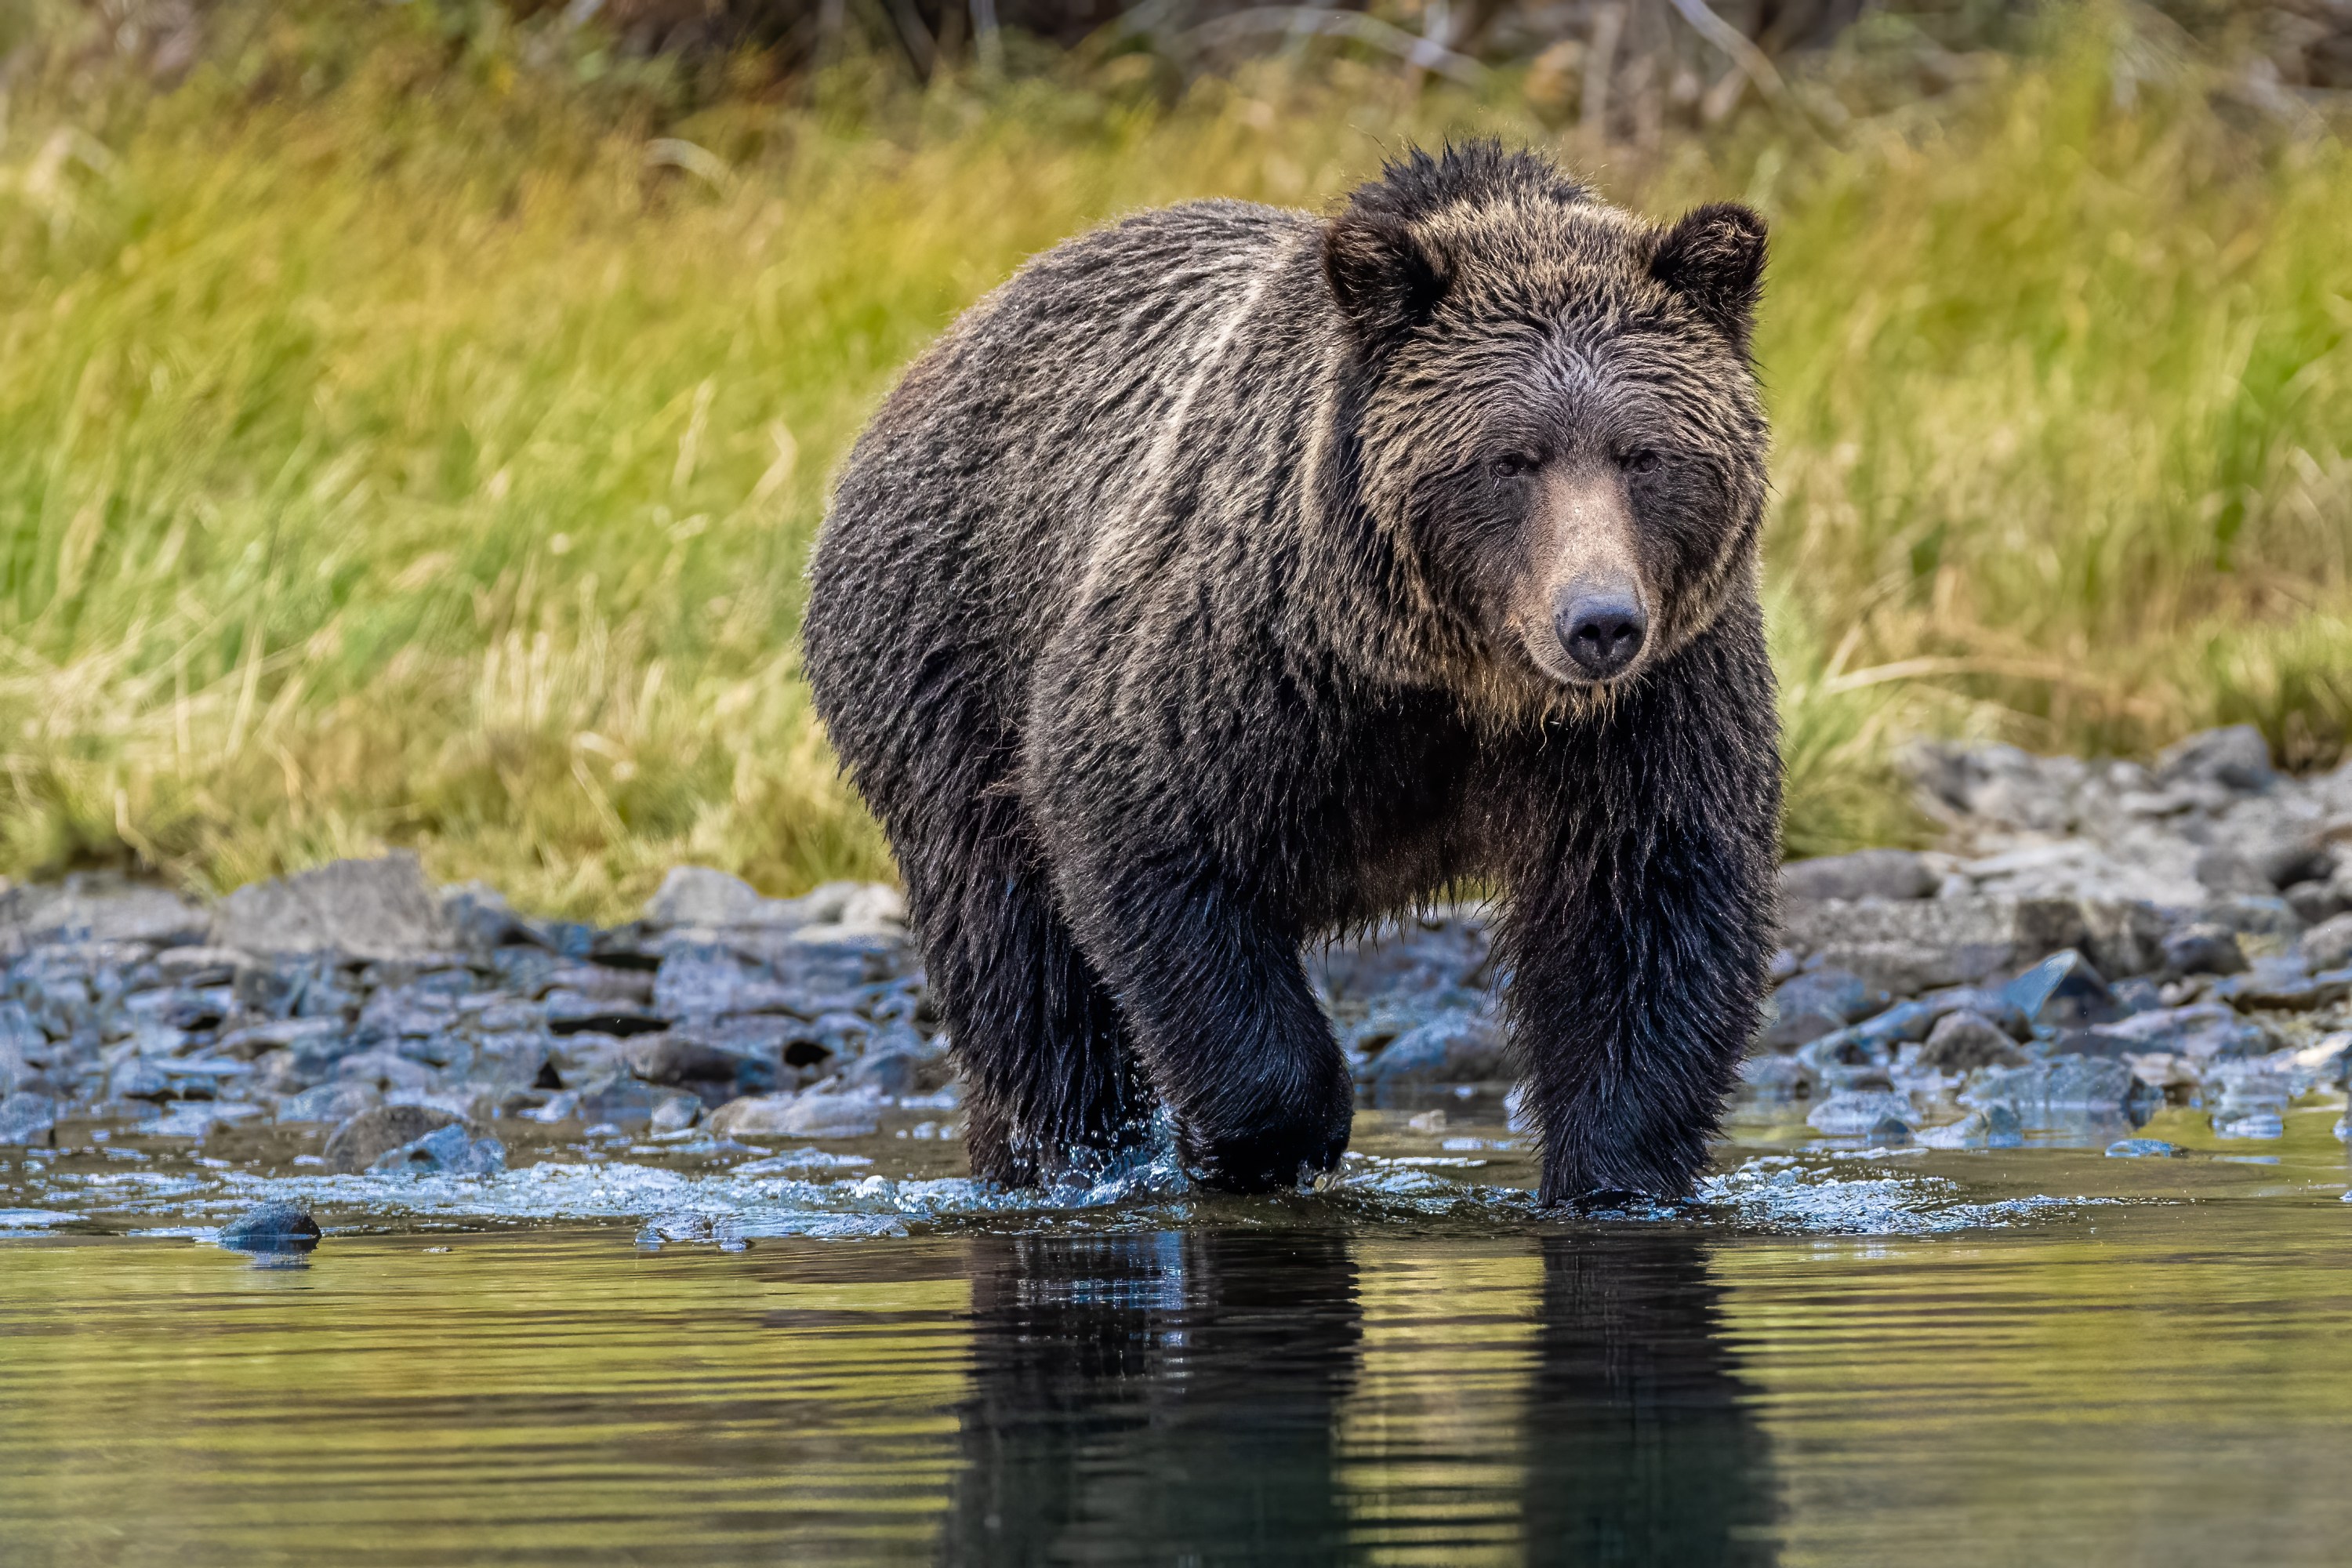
{"points": [[1715, 259]]}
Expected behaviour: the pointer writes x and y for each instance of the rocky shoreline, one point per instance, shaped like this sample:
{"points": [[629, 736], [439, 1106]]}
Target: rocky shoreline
{"points": [[2095, 941]]}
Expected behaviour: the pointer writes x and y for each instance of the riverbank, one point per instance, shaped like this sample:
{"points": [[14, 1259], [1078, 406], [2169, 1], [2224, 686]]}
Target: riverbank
{"points": [[2099, 945]]}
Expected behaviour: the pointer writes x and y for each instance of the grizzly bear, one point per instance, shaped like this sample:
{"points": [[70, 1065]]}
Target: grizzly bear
{"points": [[1230, 577]]}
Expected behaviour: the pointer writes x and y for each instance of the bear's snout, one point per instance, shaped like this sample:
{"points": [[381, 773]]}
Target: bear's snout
{"points": [[1601, 626]]}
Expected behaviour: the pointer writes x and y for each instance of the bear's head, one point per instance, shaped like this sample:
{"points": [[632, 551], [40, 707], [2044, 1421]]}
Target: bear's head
{"points": [[1559, 415]]}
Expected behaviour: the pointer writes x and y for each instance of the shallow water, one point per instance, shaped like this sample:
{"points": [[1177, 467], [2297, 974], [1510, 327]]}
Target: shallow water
{"points": [[2014, 1356]]}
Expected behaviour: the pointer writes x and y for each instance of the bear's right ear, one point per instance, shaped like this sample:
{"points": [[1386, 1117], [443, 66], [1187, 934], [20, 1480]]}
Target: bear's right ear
{"points": [[1386, 278]]}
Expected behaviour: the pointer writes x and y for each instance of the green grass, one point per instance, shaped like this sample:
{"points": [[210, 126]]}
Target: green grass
{"points": [[402, 442]]}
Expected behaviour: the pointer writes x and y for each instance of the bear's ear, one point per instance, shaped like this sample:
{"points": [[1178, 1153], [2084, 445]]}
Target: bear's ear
{"points": [[1386, 278], [1715, 259]]}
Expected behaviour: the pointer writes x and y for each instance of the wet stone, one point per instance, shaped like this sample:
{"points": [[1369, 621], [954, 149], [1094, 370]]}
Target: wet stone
{"points": [[1857, 1112], [446, 1151], [2328, 946], [1776, 1077], [898, 1062], [26, 1118], [2063, 990], [271, 1227], [1964, 1041], [2144, 1148], [369, 908], [2284, 984], [2235, 758], [1995, 1126], [332, 1103], [2062, 1083], [2204, 1032], [2259, 1124], [372, 1134], [2203, 948], [1460, 1047], [814, 1114], [1814, 1003], [1865, 874]]}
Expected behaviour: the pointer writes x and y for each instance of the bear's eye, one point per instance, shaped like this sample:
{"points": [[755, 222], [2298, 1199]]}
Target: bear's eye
{"points": [[1512, 465], [1643, 462]]}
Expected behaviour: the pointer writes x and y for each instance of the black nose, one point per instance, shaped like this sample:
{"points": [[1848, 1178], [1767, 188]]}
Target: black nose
{"points": [[1601, 631]]}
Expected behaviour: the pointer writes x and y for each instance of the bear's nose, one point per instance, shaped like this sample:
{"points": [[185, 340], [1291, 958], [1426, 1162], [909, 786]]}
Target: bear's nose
{"points": [[1601, 629]]}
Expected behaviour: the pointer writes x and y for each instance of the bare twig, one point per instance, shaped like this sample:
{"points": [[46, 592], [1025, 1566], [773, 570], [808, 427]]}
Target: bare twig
{"points": [[1753, 62], [1353, 25]]}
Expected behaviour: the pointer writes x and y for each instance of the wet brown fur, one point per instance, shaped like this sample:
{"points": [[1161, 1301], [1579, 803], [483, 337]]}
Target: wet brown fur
{"points": [[1184, 603]]}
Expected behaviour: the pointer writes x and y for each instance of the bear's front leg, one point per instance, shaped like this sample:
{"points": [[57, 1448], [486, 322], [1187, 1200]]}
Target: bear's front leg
{"points": [[1218, 1005], [1639, 936]]}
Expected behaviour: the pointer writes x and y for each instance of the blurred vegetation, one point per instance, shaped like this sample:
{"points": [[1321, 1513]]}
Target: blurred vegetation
{"points": [[416, 417]]}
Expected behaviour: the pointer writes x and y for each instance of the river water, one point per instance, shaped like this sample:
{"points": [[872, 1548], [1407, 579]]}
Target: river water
{"points": [[658, 1354]]}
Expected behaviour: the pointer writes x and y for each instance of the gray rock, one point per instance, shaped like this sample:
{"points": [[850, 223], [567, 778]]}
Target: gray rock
{"points": [[26, 1119], [1855, 1111], [1888, 1132], [1995, 1126], [2205, 1032], [679, 1060], [2255, 1124], [900, 1062], [2225, 871], [1906, 1021], [372, 1134], [271, 1227], [443, 1151], [2061, 1083], [2284, 984], [700, 896], [2290, 862], [197, 965], [479, 916], [1459, 1047], [2203, 948], [1440, 951], [1911, 946], [710, 981], [1817, 1002], [366, 908], [617, 1101], [1776, 1077], [815, 1114], [2063, 990], [697, 895], [838, 909], [1997, 783], [318, 1040], [2236, 758], [2317, 903], [2253, 915], [675, 1114], [328, 1102], [2328, 946], [140, 1077], [2144, 1148], [97, 908], [1964, 1041], [197, 1118], [1865, 874]]}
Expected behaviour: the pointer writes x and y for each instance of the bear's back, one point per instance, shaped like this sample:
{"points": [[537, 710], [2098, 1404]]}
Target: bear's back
{"points": [[970, 509]]}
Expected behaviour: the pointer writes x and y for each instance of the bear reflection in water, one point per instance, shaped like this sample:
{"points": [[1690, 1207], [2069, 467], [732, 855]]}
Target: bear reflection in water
{"points": [[1181, 1397], [1640, 1446]]}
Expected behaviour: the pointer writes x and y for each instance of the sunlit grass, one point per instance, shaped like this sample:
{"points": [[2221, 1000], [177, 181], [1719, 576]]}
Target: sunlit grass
{"points": [[402, 441]]}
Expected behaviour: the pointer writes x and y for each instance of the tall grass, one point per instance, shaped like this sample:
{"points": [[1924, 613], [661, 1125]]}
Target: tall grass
{"points": [[406, 437]]}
